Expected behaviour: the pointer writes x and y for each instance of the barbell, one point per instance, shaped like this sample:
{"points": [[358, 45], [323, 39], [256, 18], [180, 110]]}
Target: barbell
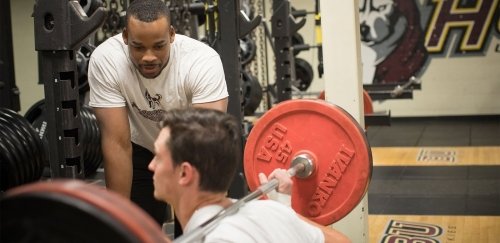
{"points": [[331, 167], [300, 166], [338, 170], [334, 160]]}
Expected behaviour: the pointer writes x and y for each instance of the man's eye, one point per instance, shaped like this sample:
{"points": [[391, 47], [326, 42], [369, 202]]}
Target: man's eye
{"points": [[158, 47], [138, 48]]}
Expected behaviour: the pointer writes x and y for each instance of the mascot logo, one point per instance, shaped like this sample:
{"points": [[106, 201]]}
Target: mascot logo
{"points": [[398, 36], [392, 41]]}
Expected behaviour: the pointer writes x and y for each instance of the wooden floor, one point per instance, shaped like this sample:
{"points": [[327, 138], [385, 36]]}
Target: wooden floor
{"points": [[436, 156], [456, 229], [435, 228]]}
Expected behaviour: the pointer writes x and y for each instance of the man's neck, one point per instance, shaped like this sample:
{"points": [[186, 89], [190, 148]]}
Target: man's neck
{"points": [[186, 208]]}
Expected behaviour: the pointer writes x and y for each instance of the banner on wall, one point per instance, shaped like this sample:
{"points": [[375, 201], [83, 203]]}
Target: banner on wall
{"points": [[400, 37]]}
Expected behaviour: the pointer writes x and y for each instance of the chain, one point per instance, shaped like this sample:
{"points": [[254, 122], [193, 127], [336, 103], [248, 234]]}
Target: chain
{"points": [[186, 18], [259, 67], [114, 22], [124, 3], [174, 6], [254, 65], [181, 17], [114, 17]]}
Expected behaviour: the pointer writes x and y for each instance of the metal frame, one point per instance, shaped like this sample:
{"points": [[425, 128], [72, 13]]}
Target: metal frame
{"points": [[226, 24], [283, 26], [61, 26], [9, 93]]}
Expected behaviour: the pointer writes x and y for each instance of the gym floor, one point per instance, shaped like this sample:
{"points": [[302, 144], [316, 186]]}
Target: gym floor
{"points": [[436, 179]]}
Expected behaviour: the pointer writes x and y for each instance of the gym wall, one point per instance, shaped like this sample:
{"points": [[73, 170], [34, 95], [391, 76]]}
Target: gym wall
{"points": [[25, 56], [461, 76], [456, 79]]}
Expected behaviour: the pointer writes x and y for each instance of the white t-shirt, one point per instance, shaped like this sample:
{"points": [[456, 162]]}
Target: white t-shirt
{"points": [[257, 221], [194, 74]]}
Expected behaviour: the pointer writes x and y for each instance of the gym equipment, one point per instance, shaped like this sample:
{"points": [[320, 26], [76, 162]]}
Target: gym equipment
{"points": [[186, 16], [372, 118], [22, 155], [399, 89], [297, 40], [90, 141], [304, 74], [198, 233], [90, 6], [337, 148], [73, 211], [248, 50], [331, 176], [403, 90], [82, 66], [283, 27], [337, 170], [61, 27], [367, 101], [251, 93]]}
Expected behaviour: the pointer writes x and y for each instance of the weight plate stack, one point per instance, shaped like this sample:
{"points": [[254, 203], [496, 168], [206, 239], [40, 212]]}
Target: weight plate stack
{"points": [[21, 151], [90, 135]]}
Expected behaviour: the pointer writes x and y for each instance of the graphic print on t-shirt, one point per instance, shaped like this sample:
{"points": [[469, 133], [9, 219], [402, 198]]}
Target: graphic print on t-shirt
{"points": [[154, 115], [152, 100]]}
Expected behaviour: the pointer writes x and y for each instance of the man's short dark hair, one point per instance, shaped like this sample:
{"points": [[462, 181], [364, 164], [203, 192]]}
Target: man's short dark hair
{"points": [[208, 139], [147, 11]]}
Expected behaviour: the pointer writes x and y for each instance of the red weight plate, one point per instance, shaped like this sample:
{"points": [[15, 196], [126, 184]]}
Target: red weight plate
{"points": [[343, 161], [74, 211], [321, 95], [367, 101]]}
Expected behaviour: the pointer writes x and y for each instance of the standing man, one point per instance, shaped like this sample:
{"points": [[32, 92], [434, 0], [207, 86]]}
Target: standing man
{"points": [[196, 155], [135, 78]]}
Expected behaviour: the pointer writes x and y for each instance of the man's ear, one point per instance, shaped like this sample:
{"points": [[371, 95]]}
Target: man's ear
{"points": [[125, 36], [188, 173], [172, 34]]}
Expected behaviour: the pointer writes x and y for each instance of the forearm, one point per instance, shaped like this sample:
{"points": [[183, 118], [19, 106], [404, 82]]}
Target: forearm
{"points": [[334, 236], [331, 234], [118, 167], [116, 148]]}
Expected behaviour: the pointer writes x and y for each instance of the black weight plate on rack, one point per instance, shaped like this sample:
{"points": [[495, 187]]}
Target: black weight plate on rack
{"points": [[95, 137], [12, 157], [21, 125], [9, 179], [20, 150], [87, 144], [35, 146]]}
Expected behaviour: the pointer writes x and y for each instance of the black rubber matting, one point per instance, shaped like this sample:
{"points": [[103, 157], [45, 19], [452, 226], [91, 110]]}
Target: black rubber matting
{"points": [[435, 190], [437, 131]]}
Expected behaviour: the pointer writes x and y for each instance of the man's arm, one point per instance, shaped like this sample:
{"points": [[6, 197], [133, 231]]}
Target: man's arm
{"points": [[216, 105], [331, 235], [116, 148]]}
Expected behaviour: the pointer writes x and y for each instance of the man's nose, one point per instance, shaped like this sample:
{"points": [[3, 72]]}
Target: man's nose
{"points": [[149, 56]]}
